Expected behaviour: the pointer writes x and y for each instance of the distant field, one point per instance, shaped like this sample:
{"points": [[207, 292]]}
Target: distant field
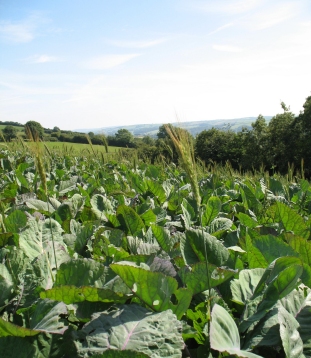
{"points": [[72, 148], [20, 129]]}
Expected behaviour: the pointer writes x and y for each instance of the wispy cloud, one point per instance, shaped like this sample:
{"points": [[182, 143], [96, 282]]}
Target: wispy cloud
{"points": [[43, 59], [226, 6], [16, 32], [273, 15], [135, 44], [227, 48], [108, 61], [221, 28], [21, 31]]}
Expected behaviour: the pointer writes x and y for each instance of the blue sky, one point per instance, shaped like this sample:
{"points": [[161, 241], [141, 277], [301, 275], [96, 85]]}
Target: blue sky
{"points": [[78, 64]]}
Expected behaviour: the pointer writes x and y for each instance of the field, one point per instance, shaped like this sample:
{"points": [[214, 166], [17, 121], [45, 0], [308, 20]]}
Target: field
{"points": [[120, 258]]}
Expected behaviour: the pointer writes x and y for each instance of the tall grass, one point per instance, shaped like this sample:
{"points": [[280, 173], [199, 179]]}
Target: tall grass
{"points": [[183, 144]]}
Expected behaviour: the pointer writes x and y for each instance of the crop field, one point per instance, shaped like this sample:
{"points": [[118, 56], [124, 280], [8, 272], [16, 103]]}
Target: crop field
{"points": [[120, 258]]}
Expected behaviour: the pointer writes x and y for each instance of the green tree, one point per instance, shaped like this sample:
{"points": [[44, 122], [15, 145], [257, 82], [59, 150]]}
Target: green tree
{"points": [[255, 143], [280, 146], [219, 146], [34, 129], [124, 138], [9, 133]]}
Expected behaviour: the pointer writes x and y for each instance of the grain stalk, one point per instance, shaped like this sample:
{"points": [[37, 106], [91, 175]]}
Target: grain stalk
{"points": [[40, 168], [184, 147]]}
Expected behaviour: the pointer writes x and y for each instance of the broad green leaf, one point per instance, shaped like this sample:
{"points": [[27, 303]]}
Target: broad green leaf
{"points": [[149, 217], [83, 272], [83, 233], [16, 221], [132, 327], [272, 247], [40, 205], [220, 224], [198, 246], [46, 317], [154, 288], [298, 304], [291, 340], [157, 190], [40, 238], [130, 220], [247, 221], [6, 284], [10, 329], [163, 237], [249, 198], [279, 279], [198, 279], [213, 208], [266, 332], [301, 246], [113, 353], [38, 346], [67, 185], [289, 219], [224, 334], [101, 206], [255, 257], [72, 294], [244, 287]]}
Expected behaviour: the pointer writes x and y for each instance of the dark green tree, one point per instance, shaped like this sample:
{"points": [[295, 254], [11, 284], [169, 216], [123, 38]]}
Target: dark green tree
{"points": [[9, 132], [124, 138], [34, 130], [280, 147]]}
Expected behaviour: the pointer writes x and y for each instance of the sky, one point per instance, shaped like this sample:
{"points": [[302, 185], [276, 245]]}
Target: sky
{"points": [[99, 63]]}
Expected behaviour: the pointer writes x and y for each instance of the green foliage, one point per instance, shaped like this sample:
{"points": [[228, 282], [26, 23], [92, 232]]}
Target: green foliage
{"points": [[119, 260]]}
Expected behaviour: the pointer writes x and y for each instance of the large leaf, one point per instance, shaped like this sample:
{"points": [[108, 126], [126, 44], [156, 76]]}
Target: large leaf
{"points": [[213, 207], [101, 206], [131, 327], [279, 279], [154, 288], [10, 329], [112, 353], [41, 238], [46, 317], [289, 219], [272, 247], [224, 334], [298, 304], [202, 276], [163, 237], [244, 287], [6, 284], [198, 246], [16, 221], [72, 294], [130, 220], [83, 272], [157, 190], [39, 346], [40, 205], [291, 340]]}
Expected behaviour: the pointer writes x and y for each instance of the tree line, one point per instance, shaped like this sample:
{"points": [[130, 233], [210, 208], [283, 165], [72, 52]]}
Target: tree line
{"points": [[284, 141]]}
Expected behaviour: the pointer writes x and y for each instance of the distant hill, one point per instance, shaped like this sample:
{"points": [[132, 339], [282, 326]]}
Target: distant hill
{"points": [[140, 130]]}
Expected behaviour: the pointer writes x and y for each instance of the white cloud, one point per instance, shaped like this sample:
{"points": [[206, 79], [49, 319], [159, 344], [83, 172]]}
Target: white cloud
{"points": [[227, 48], [135, 44], [221, 28], [273, 15], [42, 59], [108, 61], [17, 32], [226, 6]]}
